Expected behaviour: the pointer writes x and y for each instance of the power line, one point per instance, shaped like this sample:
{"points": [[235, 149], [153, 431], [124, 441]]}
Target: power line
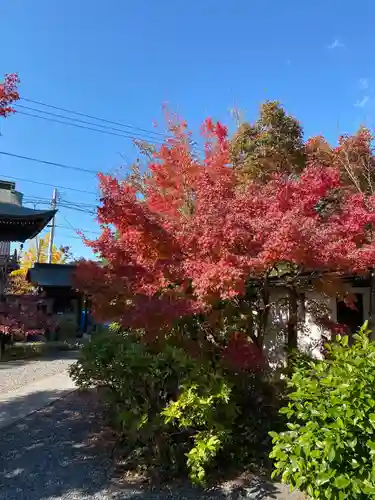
{"points": [[159, 136], [44, 200], [92, 117], [77, 230], [50, 163], [70, 226], [89, 212], [105, 129], [22, 179], [70, 236], [75, 125], [67, 205]]}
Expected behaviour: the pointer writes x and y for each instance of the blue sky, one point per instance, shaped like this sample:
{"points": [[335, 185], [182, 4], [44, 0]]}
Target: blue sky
{"points": [[121, 60]]}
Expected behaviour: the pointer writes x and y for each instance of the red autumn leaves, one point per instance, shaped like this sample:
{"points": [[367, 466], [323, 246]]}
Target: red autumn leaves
{"points": [[196, 234], [8, 94]]}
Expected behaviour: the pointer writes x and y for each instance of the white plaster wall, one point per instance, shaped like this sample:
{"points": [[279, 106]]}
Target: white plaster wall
{"points": [[310, 335], [274, 342]]}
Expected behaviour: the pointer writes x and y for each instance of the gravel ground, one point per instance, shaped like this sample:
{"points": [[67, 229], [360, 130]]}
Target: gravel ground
{"points": [[64, 452], [52, 454], [16, 374]]}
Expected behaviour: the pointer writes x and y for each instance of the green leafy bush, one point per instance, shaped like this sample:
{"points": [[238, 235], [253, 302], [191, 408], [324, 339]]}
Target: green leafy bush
{"points": [[115, 327], [152, 395], [206, 407], [328, 450], [28, 350], [176, 413]]}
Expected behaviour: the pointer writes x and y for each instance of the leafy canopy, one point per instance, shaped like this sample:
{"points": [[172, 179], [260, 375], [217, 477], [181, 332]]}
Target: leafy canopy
{"points": [[273, 144], [196, 235]]}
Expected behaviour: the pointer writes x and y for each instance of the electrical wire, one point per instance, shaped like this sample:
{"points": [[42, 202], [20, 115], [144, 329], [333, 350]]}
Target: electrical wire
{"points": [[80, 207], [70, 207], [105, 127], [44, 200], [64, 204], [50, 163], [22, 179], [157, 138], [73, 124], [77, 230], [92, 117], [85, 127]]}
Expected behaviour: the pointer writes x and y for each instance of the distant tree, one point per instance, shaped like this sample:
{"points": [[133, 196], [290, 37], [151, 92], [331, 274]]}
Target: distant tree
{"points": [[354, 157], [37, 252], [273, 144]]}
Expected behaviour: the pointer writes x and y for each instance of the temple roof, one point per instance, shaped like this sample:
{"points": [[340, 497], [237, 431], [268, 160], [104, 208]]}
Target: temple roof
{"points": [[51, 275], [19, 223]]}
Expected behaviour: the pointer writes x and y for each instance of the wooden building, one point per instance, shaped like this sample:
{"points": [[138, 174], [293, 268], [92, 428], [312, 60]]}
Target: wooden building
{"points": [[55, 284]]}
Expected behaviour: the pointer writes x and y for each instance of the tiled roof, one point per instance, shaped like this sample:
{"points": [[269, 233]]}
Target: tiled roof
{"points": [[19, 223], [52, 275]]}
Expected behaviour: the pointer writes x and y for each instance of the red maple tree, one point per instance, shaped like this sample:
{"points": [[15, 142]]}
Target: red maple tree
{"points": [[196, 236], [8, 94]]}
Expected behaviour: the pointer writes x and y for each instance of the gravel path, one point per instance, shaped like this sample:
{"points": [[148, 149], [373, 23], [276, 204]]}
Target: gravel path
{"points": [[16, 374], [60, 452], [51, 454]]}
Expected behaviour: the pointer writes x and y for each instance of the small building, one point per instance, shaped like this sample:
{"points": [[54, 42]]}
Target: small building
{"points": [[55, 284]]}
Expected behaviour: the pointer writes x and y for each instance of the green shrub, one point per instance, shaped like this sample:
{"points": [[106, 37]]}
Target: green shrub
{"points": [[115, 327], [204, 406], [68, 326], [328, 450], [176, 413], [258, 399], [28, 350], [24, 350], [143, 384]]}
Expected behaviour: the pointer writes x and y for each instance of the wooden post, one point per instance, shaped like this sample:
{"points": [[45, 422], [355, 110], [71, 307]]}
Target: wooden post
{"points": [[372, 303], [52, 235], [293, 320]]}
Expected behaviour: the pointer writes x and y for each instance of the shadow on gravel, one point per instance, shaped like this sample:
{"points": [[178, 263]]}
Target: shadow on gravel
{"points": [[14, 409], [254, 489], [50, 356], [58, 452], [65, 451], [15, 363]]}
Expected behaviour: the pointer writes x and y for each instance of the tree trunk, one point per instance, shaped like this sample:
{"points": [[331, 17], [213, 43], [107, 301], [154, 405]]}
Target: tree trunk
{"points": [[372, 303], [264, 313], [292, 342], [2, 345]]}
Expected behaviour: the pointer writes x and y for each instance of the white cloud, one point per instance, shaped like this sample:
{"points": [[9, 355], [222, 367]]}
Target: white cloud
{"points": [[362, 103], [363, 83], [336, 44]]}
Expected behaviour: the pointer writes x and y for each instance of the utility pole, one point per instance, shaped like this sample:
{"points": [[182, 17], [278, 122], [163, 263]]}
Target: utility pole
{"points": [[37, 248], [52, 236]]}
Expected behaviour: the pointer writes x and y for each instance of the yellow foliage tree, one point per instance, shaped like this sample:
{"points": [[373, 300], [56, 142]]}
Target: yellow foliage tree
{"points": [[36, 252]]}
